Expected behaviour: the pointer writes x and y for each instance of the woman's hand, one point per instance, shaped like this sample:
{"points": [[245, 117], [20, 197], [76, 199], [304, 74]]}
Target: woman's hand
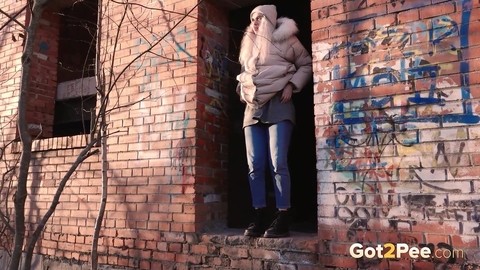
{"points": [[287, 92]]}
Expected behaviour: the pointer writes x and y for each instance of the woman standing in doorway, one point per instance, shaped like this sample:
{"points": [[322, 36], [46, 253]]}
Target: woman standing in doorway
{"points": [[274, 66]]}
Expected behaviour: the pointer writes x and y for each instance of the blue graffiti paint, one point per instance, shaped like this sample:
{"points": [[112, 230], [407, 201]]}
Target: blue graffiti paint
{"points": [[336, 72], [464, 66], [384, 78], [352, 81], [442, 28], [380, 103], [43, 47], [461, 118], [416, 68], [183, 48], [417, 99], [338, 107]]}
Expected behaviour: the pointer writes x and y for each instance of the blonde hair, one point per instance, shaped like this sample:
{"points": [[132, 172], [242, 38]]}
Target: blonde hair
{"points": [[255, 47]]}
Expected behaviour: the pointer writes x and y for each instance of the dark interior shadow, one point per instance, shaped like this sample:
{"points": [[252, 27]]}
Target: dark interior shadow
{"points": [[302, 157]]}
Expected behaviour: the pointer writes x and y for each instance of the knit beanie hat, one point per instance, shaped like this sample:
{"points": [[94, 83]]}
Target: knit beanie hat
{"points": [[270, 12]]}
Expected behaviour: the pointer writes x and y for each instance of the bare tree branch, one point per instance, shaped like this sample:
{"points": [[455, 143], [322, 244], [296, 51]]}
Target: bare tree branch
{"points": [[157, 9], [12, 18], [8, 172], [25, 137], [86, 153], [151, 47], [99, 132], [100, 81]]}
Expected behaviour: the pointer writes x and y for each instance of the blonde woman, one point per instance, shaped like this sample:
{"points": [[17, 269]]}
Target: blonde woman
{"points": [[274, 66]]}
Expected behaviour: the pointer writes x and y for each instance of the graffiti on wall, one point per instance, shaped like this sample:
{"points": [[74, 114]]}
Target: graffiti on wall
{"points": [[159, 56], [183, 151], [215, 64], [160, 42], [415, 68], [182, 157], [395, 156], [215, 73], [213, 56]]}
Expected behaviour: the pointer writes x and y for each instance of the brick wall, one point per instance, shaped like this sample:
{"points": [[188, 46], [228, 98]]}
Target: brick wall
{"points": [[10, 54], [167, 146], [396, 125], [10, 59], [397, 121], [43, 74], [212, 132]]}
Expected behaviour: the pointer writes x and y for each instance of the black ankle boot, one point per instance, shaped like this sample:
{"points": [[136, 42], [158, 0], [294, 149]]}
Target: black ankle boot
{"points": [[257, 227], [279, 227]]}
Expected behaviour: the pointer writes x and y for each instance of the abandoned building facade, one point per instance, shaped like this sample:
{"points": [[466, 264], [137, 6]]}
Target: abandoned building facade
{"points": [[383, 152]]}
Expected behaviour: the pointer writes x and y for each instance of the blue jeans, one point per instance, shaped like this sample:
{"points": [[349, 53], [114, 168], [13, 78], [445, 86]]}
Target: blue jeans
{"points": [[269, 143]]}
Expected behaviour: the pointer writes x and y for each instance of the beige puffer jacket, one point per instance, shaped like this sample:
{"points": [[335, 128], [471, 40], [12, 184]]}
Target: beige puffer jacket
{"points": [[288, 61]]}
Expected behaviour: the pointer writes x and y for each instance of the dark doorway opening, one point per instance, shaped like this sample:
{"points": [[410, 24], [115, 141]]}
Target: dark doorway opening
{"points": [[302, 156]]}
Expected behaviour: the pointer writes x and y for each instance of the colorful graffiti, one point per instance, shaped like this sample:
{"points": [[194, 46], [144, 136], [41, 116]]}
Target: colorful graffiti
{"points": [[445, 39], [394, 155], [213, 53], [214, 59], [215, 73]]}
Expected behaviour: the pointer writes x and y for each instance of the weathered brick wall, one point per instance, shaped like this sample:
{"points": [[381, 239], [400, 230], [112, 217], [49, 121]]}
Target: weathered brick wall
{"points": [[396, 88], [68, 233], [43, 74], [10, 59], [167, 145], [212, 132], [396, 118]]}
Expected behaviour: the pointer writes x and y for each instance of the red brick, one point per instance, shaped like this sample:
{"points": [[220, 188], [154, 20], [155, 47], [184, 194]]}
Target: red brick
{"points": [[464, 241], [339, 261], [437, 10], [156, 194], [400, 265], [319, 3], [327, 234], [377, 10], [351, 94], [387, 90]]}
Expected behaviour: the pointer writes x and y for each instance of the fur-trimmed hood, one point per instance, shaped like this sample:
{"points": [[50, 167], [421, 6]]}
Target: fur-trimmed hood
{"points": [[284, 29]]}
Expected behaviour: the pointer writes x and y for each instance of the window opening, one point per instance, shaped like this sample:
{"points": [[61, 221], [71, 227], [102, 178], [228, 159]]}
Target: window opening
{"points": [[76, 94]]}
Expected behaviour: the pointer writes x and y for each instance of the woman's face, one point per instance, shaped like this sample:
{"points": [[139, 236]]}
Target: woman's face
{"points": [[255, 20]]}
